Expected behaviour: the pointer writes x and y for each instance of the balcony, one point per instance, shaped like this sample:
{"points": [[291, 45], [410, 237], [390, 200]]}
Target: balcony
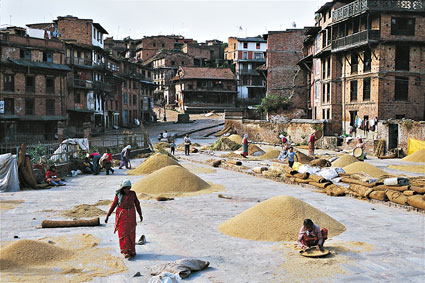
{"points": [[102, 86], [78, 61], [76, 83], [248, 72], [360, 6], [355, 40]]}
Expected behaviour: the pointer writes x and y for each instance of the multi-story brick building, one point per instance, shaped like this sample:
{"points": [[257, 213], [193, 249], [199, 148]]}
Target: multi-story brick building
{"points": [[164, 65], [247, 55], [205, 89], [148, 46], [284, 77], [366, 60], [33, 88], [137, 93]]}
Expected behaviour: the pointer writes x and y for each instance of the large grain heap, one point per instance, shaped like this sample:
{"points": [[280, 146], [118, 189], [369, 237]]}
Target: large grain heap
{"points": [[344, 160], [278, 219], [153, 163], [225, 144], [235, 138], [271, 154], [29, 253], [171, 180], [363, 167], [417, 156]]}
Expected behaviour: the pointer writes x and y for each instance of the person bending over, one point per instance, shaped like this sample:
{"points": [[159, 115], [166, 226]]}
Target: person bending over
{"points": [[311, 235]]}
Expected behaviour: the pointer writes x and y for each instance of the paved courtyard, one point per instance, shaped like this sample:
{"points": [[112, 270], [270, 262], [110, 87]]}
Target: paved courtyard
{"points": [[187, 227]]}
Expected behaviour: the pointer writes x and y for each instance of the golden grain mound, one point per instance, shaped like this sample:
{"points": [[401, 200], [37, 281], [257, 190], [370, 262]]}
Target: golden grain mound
{"points": [[170, 180], [30, 252], [303, 158], [278, 219], [409, 168], [235, 138], [161, 145], [271, 154], [344, 160], [153, 163], [417, 156], [252, 148], [83, 211], [225, 144], [363, 167]]}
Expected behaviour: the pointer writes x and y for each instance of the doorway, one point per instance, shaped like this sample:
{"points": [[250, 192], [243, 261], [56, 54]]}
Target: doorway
{"points": [[392, 136]]}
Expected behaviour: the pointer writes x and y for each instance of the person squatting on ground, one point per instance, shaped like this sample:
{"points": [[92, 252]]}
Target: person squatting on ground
{"points": [[173, 147], [52, 177], [125, 157], [245, 145], [108, 162], [95, 157], [127, 204], [291, 156], [87, 166], [311, 235], [187, 144]]}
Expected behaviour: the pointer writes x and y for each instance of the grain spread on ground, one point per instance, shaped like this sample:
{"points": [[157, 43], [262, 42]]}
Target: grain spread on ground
{"points": [[198, 169], [235, 138], [83, 211], [344, 160], [9, 204], [409, 168], [278, 219], [153, 163], [104, 202], [172, 181], [297, 268], [363, 167], [73, 258], [417, 156]]}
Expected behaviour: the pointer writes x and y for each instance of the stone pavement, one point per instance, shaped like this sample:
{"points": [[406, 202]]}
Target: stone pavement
{"points": [[187, 227]]}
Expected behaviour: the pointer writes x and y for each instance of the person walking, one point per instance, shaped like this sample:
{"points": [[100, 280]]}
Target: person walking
{"points": [[95, 157], [173, 147], [125, 157], [245, 146], [291, 156], [187, 144], [108, 162], [127, 204]]}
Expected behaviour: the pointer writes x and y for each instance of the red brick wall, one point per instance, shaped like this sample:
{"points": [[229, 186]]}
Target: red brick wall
{"points": [[78, 29]]}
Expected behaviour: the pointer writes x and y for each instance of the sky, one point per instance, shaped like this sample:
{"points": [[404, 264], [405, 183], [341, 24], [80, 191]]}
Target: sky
{"points": [[200, 20]]}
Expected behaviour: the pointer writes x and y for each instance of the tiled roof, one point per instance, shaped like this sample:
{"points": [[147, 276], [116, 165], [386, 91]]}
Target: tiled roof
{"points": [[207, 73]]}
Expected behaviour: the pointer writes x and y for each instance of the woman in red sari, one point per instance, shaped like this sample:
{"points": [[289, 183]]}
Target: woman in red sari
{"points": [[125, 220]]}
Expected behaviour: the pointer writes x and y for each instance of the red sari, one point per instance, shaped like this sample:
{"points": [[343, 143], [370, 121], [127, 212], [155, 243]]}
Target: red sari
{"points": [[125, 221]]}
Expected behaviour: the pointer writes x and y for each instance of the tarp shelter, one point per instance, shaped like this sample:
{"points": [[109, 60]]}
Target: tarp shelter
{"points": [[415, 145], [9, 181], [69, 146]]}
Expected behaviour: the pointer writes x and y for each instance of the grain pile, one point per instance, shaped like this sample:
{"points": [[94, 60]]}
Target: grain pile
{"points": [[172, 181], [303, 158], [73, 258], [104, 202], [271, 154], [161, 145], [417, 156], [84, 211], [344, 160], [153, 163], [225, 144], [252, 149], [235, 138], [363, 167], [277, 219], [409, 168], [30, 252]]}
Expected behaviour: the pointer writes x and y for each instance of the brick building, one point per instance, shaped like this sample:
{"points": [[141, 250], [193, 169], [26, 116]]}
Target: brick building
{"points": [[148, 46], [284, 77], [209, 53], [164, 65], [32, 87], [205, 89], [247, 54], [366, 60]]}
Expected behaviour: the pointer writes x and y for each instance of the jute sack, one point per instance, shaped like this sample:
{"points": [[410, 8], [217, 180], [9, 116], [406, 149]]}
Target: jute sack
{"points": [[409, 193], [417, 201], [361, 190], [378, 195], [397, 197], [419, 190]]}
